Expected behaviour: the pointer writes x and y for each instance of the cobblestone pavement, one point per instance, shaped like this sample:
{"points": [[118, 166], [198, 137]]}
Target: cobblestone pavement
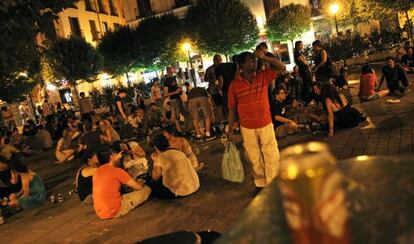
{"points": [[389, 131]]}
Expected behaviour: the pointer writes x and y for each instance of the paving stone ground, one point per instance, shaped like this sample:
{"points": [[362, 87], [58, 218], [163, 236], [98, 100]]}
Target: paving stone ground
{"points": [[389, 131]]}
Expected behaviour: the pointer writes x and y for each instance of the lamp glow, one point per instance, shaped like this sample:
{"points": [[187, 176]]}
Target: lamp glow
{"points": [[334, 8]]}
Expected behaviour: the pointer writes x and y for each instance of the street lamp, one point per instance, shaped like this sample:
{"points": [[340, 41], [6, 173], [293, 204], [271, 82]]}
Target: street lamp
{"points": [[334, 8], [187, 47]]}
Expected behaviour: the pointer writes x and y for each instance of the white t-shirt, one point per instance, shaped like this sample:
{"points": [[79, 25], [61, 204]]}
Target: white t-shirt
{"points": [[178, 174]]}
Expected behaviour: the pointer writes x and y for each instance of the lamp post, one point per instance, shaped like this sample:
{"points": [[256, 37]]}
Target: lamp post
{"points": [[187, 47], [334, 8]]}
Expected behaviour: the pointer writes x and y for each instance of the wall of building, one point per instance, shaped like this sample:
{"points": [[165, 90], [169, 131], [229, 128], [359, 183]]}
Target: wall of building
{"points": [[63, 26]]}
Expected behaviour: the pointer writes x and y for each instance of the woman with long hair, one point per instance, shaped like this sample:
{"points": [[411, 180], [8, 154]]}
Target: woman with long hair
{"points": [[64, 150], [109, 134], [33, 192], [321, 61], [304, 70], [84, 176], [340, 113]]}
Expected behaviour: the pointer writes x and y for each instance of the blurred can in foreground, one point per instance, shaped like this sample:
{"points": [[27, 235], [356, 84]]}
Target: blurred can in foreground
{"points": [[313, 198]]}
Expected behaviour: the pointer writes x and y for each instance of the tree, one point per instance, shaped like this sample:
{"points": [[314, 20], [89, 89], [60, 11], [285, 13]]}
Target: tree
{"points": [[289, 22], [225, 27], [120, 50], [21, 21], [74, 59], [402, 6]]}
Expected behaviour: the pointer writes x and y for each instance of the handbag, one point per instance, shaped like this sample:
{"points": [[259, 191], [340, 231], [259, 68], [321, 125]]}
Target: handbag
{"points": [[231, 166]]}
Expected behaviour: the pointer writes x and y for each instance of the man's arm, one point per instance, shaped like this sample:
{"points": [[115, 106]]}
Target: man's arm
{"points": [[169, 94], [282, 119], [232, 117], [135, 184], [156, 173], [121, 109], [277, 65]]}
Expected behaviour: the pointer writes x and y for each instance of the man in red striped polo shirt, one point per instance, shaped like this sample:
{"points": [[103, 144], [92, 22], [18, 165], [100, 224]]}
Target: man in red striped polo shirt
{"points": [[248, 94]]}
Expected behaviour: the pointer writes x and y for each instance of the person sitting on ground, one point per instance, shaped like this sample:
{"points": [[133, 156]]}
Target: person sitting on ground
{"points": [[31, 144], [279, 111], [133, 158], [7, 187], [64, 150], [315, 107], [340, 113], [84, 176], [407, 61], [16, 138], [44, 137], [367, 84], [181, 144], [33, 192], [395, 77], [108, 134], [153, 118], [342, 80], [172, 175], [90, 140], [199, 100], [106, 183], [8, 151]]}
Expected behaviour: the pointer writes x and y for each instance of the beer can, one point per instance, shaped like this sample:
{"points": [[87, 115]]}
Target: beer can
{"points": [[53, 199], [313, 198], [60, 198]]}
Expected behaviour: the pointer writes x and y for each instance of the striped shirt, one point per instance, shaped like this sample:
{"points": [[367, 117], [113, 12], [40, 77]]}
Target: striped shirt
{"points": [[251, 99]]}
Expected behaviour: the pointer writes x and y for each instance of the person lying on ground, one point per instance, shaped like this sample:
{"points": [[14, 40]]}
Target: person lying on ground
{"points": [[340, 113], [181, 144], [106, 183], [84, 176], [315, 107], [33, 192], [172, 175], [282, 124], [367, 84]]}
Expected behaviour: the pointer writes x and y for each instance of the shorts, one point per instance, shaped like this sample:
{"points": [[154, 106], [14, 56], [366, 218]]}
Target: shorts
{"points": [[177, 106], [199, 102], [373, 97]]}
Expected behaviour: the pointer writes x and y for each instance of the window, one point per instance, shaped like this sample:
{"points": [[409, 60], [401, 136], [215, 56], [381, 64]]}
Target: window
{"points": [[94, 31], [144, 8], [90, 5], [105, 27], [102, 8], [112, 8], [49, 30], [75, 27], [117, 26]]}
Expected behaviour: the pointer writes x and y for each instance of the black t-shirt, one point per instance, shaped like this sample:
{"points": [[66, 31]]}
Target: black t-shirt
{"points": [[171, 84], [119, 99], [407, 60], [278, 108], [91, 140], [315, 97], [392, 74], [197, 92], [302, 67], [228, 72]]}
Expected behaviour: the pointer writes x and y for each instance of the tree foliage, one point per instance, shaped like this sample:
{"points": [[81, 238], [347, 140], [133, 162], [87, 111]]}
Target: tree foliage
{"points": [[289, 22], [396, 5], [120, 50], [74, 59], [21, 21], [225, 27]]}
